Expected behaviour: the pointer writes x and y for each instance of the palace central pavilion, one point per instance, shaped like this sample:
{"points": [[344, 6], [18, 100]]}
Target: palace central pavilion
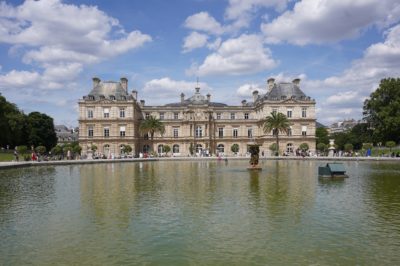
{"points": [[110, 115]]}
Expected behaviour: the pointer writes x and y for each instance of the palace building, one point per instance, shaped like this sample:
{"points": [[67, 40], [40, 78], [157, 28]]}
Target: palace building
{"points": [[110, 115]]}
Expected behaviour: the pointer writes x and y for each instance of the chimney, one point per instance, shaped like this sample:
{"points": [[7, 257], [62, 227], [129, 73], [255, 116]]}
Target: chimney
{"points": [[124, 84], [141, 103], [208, 97], [244, 102], [134, 94], [255, 95], [271, 83], [296, 82], [96, 81], [182, 97]]}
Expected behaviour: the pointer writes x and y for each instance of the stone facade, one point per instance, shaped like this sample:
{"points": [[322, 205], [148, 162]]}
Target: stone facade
{"points": [[109, 117]]}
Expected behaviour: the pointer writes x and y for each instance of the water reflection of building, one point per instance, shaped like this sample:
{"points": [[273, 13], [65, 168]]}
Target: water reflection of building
{"points": [[109, 117]]}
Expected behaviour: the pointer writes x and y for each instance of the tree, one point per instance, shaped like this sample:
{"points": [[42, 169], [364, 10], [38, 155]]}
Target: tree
{"points": [[41, 149], [390, 144], [348, 147], [276, 122], [167, 149], [273, 148], [304, 147], [150, 126], [41, 130], [322, 135], [321, 147], [93, 148], [382, 111], [235, 148]]}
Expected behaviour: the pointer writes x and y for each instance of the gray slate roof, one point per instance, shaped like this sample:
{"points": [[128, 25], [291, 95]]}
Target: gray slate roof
{"points": [[110, 90], [196, 99], [284, 90]]}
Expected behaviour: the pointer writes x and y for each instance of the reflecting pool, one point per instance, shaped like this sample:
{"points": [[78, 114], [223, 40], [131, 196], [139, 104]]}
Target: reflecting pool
{"points": [[200, 213]]}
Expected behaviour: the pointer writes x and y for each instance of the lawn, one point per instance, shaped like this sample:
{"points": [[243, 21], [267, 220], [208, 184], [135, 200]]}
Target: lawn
{"points": [[6, 157]]}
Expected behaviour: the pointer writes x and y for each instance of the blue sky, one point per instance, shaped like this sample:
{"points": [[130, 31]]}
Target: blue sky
{"points": [[51, 49]]}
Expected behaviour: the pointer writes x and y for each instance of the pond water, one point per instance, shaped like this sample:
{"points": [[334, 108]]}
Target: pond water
{"points": [[200, 213]]}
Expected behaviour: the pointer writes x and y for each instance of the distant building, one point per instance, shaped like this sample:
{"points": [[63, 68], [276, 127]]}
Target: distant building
{"points": [[343, 126], [65, 134], [109, 117]]}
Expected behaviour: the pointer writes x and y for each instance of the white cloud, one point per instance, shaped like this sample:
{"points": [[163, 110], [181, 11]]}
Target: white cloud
{"points": [[203, 21], [18, 79], [325, 21], [246, 90], [241, 11], [168, 89], [194, 40], [242, 55], [62, 38]]}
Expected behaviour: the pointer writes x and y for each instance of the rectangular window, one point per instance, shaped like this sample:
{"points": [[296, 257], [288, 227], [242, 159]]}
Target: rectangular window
{"points": [[199, 132], [122, 131], [218, 115], [147, 115], [235, 132], [90, 113], [289, 112], [90, 131], [232, 115], [304, 112], [106, 132], [246, 116], [106, 112], [274, 110], [220, 132], [176, 132], [249, 133], [176, 116], [122, 112], [304, 130], [289, 131], [161, 116]]}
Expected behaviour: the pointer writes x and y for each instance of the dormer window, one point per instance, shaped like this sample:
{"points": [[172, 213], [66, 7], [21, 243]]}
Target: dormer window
{"points": [[102, 97], [91, 97], [112, 97], [283, 97]]}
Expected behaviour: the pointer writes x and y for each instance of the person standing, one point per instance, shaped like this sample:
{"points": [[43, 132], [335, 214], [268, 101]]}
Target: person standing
{"points": [[16, 155]]}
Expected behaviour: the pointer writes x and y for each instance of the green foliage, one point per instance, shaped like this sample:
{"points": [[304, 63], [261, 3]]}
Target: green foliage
{"points": [[367, 146], [41, 130], [322, 135], [41, 149], [277, 123], [304, 147], [322, 147], [254, 151], [126, 148], [22, 149], [390, 144], [76, 149], [348, 147], [273, 147], [382, 111], [93, 147], [235, 148], [151, 125], [57, 150], [191, 149], [167, 149]]}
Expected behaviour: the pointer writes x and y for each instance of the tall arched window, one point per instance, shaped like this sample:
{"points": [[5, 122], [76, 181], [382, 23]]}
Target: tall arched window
{"points": [[289, 148], [221, 148], [160, 148], [146, 148], [199, 148], [175, 148]]}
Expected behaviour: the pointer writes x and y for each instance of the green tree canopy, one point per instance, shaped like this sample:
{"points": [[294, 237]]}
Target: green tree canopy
{"points": [[235, 148], [382, 110], [304, 147], [390, 144], [348, 147], [167, 149], [277, 123], [322, 135], [41, 130], [150, 126]]}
